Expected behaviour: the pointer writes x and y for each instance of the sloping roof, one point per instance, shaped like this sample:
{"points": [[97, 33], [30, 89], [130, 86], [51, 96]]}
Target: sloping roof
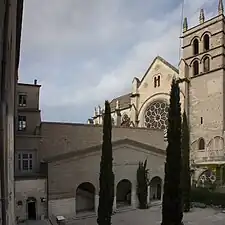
{"points": [[163, 61], [124, 102], [96, 148], [60, 138]]}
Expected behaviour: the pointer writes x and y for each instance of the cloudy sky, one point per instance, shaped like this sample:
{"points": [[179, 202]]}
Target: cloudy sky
{"points": [[85, 51]]}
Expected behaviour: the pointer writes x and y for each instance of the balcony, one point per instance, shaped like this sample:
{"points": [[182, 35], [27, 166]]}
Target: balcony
{"points": [[204, 157]]}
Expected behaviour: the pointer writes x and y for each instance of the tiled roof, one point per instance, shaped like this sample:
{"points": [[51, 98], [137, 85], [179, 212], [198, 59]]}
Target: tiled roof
{"points": [[124, 102]]}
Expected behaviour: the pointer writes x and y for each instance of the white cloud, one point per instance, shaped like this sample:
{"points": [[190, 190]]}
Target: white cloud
{"points": [[73, 30]]}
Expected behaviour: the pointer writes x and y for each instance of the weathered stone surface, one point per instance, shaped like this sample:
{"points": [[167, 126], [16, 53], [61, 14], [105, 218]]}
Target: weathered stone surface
{"points": [[153, 216]]}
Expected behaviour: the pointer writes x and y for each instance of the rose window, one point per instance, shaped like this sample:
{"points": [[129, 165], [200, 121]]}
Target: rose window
{"points": [[156, 115]]}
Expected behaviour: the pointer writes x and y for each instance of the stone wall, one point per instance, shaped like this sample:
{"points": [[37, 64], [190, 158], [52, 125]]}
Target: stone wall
{"points": [[59, 138], [32, 188], [66, 175]]}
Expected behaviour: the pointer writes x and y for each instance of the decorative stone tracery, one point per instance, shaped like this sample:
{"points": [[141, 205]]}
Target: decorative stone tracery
{"points": [[156, 115]]}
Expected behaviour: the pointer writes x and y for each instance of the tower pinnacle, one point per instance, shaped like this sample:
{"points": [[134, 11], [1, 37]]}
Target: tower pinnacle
{"points": [[185, 24], [220, 7], [202, 16]]}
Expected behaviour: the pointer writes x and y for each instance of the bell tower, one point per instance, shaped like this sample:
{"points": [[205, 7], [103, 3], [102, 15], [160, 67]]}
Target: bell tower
{"points": [[204, 53]]}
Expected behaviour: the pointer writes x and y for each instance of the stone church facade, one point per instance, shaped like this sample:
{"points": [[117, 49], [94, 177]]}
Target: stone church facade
{"points": [[57, 164], [202, 96]]}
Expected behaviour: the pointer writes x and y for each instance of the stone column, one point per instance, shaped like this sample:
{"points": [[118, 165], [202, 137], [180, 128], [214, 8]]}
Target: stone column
{"points": [[133, 198], [148, 196], [75, 206], [162, 189], [114, 204], [96, 203]]}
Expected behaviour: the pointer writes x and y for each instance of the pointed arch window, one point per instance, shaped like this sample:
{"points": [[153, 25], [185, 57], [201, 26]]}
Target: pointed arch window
{"points": [[206, 42], [195, 68], [156, 81], [195, 46], [201, 144], [206, 64]]}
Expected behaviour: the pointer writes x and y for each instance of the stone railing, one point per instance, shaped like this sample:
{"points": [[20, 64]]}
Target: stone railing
{"points": [[202, 156]]}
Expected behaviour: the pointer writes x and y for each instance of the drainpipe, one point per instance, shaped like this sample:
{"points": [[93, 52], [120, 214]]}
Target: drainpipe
{"points": [[2, 115]]}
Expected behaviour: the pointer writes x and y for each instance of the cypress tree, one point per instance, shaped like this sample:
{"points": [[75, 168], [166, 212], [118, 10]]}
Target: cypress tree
{"points": [[172, 213], [142, 184], [106, 178], [186, 175]]}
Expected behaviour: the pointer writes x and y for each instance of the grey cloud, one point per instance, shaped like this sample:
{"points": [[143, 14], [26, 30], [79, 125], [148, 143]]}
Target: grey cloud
{"points": [[86, 53]]}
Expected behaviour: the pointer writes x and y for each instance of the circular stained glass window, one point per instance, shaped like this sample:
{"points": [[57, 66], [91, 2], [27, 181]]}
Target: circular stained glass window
{"points": [[155, 116]]}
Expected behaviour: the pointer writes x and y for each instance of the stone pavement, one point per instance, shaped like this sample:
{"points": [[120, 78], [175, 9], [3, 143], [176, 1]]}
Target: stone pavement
{"points": [[152, 216], [35, 222]]}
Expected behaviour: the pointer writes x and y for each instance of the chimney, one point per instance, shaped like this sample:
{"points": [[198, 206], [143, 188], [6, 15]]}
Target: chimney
{"points": [[35, 82]]}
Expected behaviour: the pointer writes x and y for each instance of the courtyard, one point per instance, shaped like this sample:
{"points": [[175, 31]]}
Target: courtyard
{"points": [[152, 216]]}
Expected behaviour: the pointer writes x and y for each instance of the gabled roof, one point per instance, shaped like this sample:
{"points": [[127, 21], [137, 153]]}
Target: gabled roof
{"points": [[124, 102], [97, 148], [163, 61]]}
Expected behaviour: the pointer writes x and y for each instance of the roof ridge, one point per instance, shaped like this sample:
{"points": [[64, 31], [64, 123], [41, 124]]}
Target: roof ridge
{"points": [[71, 154]]}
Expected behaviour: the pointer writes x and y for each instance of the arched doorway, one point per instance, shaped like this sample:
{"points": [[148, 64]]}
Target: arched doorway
{"points": [[155, 189], [85, 198], [123, 193], [31, 208]]}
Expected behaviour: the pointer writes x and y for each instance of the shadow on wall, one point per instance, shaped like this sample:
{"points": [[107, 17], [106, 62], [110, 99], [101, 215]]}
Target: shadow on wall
{"points": [[123, 193], [85, 198]]}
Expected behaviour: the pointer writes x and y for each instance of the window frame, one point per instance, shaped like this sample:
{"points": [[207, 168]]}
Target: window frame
{"points": [[204, 64], [22, 124], [25, 162], [195, 46], [23, 98], [195, 62], [201, 144], [208, 42], [157, 81]]}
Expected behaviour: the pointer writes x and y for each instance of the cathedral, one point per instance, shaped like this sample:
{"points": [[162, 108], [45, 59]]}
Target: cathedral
{"points": [[202, 96], [57, 164]]}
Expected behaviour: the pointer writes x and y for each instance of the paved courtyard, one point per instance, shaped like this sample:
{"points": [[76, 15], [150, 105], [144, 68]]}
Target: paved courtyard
{"points": [[36, 222], [152, 216]]}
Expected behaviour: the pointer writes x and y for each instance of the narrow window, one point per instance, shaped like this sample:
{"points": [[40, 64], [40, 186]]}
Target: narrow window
{"points": [[195, 68], [157, 81], [22, 123], [206, 64], [27, 162], [22, 100], [195, 47], [206, 42], [201, 144], [201, 120]]}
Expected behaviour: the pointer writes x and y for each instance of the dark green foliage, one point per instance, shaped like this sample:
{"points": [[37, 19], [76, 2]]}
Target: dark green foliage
{"points": [[186, 174], [208, 197], [106, 179], [142, 184], [172, 213]]}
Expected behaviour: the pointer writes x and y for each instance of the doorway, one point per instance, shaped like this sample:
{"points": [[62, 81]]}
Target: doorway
{"points": [[31, 209]]}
